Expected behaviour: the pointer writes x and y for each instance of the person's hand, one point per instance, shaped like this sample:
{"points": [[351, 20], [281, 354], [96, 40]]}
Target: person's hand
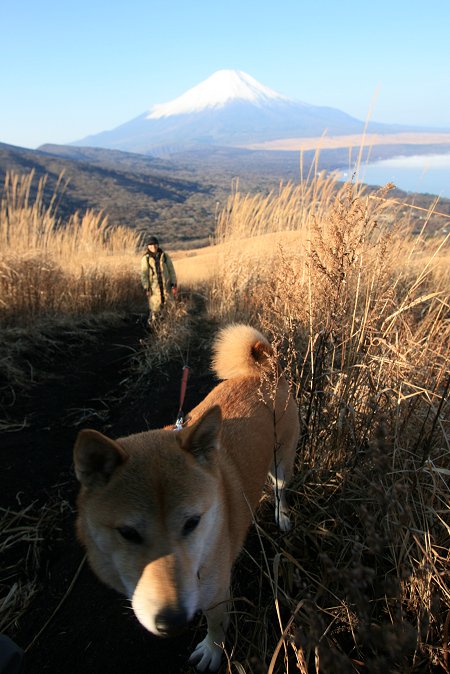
{"points": [[174, 291]]}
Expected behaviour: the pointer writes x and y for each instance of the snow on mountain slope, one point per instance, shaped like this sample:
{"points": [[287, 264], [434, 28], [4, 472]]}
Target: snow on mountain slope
{"points": [[230, 108], [224, 86]]}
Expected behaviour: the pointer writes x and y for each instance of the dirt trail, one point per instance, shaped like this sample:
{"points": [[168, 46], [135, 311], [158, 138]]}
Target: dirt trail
{"points": [[94, 630]]}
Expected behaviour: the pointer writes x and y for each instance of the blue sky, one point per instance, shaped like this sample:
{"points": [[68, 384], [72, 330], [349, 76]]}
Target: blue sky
{"points": [[70, 69]]}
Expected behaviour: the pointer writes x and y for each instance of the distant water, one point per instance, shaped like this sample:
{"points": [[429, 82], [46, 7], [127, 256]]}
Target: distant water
{"points": [[418, 173]]}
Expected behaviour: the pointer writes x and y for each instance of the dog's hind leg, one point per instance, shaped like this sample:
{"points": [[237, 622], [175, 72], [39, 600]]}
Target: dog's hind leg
{"points": [[281, 507], [280, 473]]}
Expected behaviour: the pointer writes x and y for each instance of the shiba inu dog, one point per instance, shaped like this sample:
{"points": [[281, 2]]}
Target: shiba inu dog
{"points": [[163, 514]]}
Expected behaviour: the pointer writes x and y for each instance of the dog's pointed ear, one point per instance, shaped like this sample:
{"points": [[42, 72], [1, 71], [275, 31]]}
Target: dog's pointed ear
{"points": [[96, 457], [203, 437]]}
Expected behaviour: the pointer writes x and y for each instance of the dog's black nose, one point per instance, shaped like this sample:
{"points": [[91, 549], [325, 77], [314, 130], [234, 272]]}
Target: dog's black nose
{"points": [[170, 622]]}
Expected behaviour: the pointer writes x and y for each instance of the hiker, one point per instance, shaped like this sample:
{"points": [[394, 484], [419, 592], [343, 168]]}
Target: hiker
{"points": [[158, 278]]}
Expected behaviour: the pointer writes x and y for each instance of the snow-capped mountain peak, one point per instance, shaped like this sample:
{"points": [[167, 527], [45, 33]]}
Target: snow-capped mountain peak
{"points": [[222, 87], [229, 109]]}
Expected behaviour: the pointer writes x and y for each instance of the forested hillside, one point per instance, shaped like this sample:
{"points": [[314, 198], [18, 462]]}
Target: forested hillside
{"points": [[178, 197]]}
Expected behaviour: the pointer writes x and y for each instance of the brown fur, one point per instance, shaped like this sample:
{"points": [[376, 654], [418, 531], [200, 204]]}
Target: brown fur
{"points": [[163, 514]]}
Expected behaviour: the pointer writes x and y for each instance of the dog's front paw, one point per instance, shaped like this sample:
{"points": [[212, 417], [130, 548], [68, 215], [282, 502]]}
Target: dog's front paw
{"points": [[206, 656]]}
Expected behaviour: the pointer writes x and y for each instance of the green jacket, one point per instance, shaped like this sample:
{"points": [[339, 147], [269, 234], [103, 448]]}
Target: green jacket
{"points": [[149, 277]]}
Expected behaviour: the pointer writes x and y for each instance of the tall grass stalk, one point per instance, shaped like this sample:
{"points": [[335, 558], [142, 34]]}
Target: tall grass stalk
{"points": [[49, 267], [362, 307]]}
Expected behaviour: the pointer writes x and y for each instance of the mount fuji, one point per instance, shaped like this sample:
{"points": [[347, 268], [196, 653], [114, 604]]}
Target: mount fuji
{"points": [[229, 108]]}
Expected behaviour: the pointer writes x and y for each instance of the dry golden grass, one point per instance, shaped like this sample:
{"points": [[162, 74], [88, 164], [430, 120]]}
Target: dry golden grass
{"points": [[195, 267], [358, 309], [252, 226], [366, 307], [54, 268], [22, 535], [57, 279]]}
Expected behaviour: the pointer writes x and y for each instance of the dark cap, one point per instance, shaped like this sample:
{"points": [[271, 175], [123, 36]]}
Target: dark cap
{"points": [[152, 240]]}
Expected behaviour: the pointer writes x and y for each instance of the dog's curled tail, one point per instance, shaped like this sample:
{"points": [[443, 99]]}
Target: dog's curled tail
{"points": [[240, 351]]}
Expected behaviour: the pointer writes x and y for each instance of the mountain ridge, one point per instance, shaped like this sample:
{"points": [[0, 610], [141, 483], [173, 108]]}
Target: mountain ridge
{"points": [[230, 108]]}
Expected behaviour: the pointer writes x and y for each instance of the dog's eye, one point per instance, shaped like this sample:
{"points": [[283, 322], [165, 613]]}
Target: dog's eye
{"points": [[130, 534], [191, 524]]}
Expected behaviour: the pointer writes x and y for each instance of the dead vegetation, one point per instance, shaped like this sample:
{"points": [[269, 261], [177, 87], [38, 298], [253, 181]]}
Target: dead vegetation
{"points": [[359, 309], [58, 281], [362, 308], [50, 268], [24, 533]]}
